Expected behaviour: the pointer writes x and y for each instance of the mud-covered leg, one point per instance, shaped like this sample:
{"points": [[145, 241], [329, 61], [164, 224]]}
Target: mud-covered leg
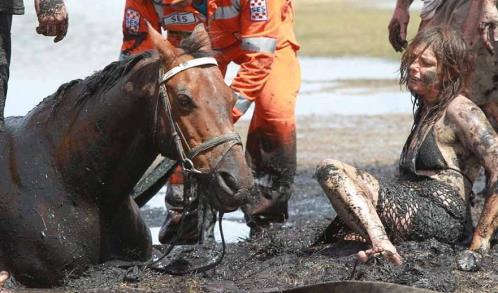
{"points": [[354, 196], [175, 211], [5, 46]]}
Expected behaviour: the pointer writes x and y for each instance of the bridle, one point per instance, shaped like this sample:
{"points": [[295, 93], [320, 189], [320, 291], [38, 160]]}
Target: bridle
{"points": [[186, 158]]}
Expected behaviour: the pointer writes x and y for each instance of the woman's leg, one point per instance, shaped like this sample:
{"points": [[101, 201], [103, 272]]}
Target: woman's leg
{"points": [[354, 195]]}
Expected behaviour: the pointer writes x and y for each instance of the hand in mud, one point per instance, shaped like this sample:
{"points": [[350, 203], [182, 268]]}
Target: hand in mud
{"points": [[488, 25], [392, 256], [397, 29], [469, 261], [52, 18]]}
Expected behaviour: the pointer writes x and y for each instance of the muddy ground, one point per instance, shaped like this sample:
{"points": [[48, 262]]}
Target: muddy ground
{"points": [[283, 258]]}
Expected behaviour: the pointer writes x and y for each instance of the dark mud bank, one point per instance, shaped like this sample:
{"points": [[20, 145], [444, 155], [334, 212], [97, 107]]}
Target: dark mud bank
{"points": [[282, 258]]}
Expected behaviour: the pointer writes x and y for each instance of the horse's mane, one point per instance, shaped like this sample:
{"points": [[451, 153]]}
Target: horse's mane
{"points": [[107, 78]]}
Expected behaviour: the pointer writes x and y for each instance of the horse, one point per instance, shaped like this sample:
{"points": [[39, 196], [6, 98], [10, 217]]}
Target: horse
{"points": [[67, 167]]}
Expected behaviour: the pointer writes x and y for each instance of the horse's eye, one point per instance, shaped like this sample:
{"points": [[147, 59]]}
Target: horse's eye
{"points": [[185, 101]]}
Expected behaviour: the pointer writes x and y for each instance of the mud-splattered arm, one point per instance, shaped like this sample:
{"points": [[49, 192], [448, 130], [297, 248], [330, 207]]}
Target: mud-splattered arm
{"points": [[481, 21], [488, 24], [476, 134], [52, 18], [398, 24]]}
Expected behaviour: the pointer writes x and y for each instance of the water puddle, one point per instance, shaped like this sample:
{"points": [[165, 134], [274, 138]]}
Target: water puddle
{"points": [[234, 227]]}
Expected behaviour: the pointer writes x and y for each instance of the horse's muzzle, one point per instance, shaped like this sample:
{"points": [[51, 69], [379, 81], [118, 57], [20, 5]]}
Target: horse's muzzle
{"points": [[230, 192]]}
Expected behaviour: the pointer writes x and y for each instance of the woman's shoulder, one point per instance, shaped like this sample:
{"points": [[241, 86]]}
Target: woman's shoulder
{"points": [[461, 106], [463, 111]]}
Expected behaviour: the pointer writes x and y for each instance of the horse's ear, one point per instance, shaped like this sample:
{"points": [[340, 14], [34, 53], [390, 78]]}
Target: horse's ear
{"points": [[200, 34], [162, 45]]}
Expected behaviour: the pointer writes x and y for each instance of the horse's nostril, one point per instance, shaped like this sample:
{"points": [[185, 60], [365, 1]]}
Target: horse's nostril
{"points": [[229, 181]]}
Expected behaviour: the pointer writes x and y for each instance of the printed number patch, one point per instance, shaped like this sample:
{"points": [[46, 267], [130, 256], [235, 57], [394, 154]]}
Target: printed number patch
{"points": [[259, 12], [132, 20]]}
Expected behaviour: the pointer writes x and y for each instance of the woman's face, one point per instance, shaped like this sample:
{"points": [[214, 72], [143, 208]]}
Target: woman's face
{"points": [[422, 74]]}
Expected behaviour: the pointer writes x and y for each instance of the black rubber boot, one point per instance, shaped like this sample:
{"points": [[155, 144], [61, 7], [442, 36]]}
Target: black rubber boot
{"points": [[268, 206], [170, 230], [198, 221]]}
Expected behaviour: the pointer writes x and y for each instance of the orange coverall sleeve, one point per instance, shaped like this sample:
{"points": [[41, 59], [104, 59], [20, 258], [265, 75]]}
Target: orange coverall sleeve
{"points": [[259, 26], [135, 39]]}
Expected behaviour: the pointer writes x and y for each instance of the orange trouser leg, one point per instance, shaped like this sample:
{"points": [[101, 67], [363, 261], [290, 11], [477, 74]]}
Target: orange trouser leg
{"points": [[271, 141]]}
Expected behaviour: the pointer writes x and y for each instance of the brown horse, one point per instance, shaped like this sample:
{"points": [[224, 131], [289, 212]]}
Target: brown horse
{"points": [[68, 166]]}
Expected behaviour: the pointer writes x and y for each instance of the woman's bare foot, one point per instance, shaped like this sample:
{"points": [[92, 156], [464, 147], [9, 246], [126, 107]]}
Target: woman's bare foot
{"points": [[4, 276], [386, 249]]}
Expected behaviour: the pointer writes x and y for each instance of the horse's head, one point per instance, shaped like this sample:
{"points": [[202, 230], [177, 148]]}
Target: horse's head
{"points": [[196, 103]]}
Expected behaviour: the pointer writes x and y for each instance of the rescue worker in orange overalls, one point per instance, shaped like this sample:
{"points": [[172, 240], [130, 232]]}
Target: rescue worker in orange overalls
{"points": [[258, 35]]}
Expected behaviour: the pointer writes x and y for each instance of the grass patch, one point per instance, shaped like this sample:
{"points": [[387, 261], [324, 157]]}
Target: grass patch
{"points": [[339, 28]]}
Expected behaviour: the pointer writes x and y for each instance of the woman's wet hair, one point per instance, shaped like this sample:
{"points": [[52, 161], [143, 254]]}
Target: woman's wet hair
{"points": [[454, 68], [454, 60]]}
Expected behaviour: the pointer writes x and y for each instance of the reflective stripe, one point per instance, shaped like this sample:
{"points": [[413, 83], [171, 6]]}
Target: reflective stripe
{"points": [[242, 104], [226, 12], [259, 44], [159, 9], [236, 4], [123, 56]]}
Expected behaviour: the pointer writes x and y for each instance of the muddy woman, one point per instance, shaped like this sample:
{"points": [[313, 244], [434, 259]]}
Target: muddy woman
{"points": [[449, 142]]}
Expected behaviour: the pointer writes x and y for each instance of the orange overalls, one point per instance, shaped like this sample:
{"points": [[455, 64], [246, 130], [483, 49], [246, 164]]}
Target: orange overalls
{"points": [[258, 35]]}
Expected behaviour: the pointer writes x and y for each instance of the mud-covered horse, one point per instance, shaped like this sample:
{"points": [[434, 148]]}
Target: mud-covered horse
{"points": [[68, 166]]}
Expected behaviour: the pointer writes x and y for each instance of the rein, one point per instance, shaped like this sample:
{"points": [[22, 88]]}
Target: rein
{"points": [[189, 169]]}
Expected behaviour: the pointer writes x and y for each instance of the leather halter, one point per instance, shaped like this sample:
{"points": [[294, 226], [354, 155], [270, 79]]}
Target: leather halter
{"points": [[186, 157]]}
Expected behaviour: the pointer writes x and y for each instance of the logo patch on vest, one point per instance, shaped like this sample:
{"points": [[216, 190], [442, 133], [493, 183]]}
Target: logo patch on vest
{"points": [[179, 18], [259, 12], [132, 20]]}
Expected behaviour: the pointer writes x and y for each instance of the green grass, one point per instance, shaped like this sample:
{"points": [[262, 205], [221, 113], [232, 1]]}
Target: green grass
{"points": [[337, 28]]}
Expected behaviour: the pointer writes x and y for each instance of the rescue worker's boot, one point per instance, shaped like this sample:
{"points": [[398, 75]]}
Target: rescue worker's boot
{"points": [[172, 229], [269, 205], [199, 219]]}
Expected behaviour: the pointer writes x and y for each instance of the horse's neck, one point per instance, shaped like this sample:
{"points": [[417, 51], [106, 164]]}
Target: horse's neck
{"points": [[106, 145]]}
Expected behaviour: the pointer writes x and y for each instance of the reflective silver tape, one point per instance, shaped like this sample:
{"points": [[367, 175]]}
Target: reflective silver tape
{"points": [[259, 44], [123, 56], [236, 4], [242, 104], [158, 5], [226, 12]]}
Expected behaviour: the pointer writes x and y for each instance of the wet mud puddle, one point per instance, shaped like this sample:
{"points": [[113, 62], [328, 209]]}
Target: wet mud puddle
{"points": [[234, 227]]}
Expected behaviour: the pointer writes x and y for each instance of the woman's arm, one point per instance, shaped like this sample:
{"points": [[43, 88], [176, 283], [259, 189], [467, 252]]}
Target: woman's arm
{"points": [[477, 135]]}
